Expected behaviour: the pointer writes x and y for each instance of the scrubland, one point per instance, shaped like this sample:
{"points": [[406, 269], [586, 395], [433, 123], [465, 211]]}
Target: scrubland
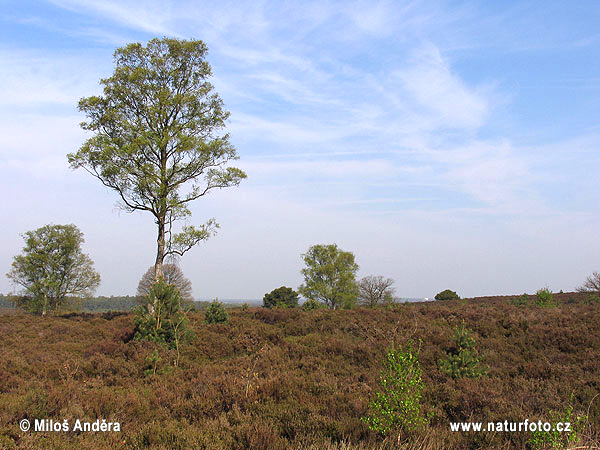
{"points": [[286, 378]]}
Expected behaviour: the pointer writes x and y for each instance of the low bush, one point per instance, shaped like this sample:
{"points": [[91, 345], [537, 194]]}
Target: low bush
{"points": [[545, 299], [283, 297], [447, 295], [311, 304], [397, 407], [463, 360], [216, 313], [559, 439]]}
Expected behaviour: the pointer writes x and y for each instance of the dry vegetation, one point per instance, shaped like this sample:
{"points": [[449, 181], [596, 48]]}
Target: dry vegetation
{"points": [[278, 379]]}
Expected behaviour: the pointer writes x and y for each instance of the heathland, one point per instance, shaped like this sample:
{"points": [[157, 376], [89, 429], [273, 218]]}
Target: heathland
{"points": [[287, 378]]}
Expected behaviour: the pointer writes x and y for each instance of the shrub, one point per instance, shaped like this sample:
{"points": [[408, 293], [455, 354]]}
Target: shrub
{"points": [[397, 407], [447, 295], [522, 300], [463, 360], [545, 298], [283, 297], [310, 304], [556, 439], [160, 318], [216, 313]]}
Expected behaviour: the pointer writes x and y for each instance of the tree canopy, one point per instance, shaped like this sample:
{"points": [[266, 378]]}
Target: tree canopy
{"points": [[158, 137], [281, 297], [52, 267], [592, 284], [375, 290], [330, 276]]}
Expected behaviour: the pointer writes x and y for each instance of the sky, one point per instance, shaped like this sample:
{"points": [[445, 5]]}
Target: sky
{"points": [[446, 144]]}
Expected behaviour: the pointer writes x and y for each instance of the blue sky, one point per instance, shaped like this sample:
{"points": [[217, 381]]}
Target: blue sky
{"points": [[447, 144]]}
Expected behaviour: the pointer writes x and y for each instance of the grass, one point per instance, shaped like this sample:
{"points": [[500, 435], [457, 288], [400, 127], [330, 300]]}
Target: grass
{"points": [[279, 379]]}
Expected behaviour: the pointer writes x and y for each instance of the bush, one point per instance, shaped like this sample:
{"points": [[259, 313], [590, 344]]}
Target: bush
{"points": [[160, 318], [545, 298], [556, 439], [447, 295], [463, 360], [522, 300], [216, 313], [398, 406], [283, 297], [310, 304]]}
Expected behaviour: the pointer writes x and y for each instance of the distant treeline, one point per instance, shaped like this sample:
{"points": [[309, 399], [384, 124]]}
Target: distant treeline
{"points": [[103, 304], [93, 304]]}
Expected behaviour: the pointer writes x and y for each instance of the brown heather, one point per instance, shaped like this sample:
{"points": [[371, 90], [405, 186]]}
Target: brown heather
{"points": [[289, 379]]}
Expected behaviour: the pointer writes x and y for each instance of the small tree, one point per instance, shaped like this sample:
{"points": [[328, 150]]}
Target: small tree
{"points": [[51, 268], [397, 407], [173, 275], [281, 297], [375, 290], [330, 276], [463, 360], [447, 295], [216, 313], [161, 318], [544, 298], [592, 284]]}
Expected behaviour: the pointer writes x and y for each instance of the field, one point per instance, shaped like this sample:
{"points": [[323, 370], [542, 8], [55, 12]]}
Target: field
{"points": [[278, 379]]}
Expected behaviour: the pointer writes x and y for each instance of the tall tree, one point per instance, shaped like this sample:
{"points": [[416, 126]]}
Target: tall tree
{"points": [[52, 267], [159, 138], [330, 276]]}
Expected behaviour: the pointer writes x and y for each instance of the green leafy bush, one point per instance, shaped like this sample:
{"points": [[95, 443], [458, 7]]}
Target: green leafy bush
{"points": [[160, 318], [310, 304], [545, 298], [447, 295], [283, 297], [397, 407], [556, 439], [463, 360], [216, 313]]}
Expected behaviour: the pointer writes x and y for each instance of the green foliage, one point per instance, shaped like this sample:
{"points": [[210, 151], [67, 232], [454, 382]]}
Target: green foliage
{"points": [[522, 300], [447, 295], [244, 306], [51, 268], [311, 304], [397, 407], [283, 297], [556, 439], [544, 298], [216, 313], [153, 360], [330, 276], [158, 138], [161, 318], [463, 360]]}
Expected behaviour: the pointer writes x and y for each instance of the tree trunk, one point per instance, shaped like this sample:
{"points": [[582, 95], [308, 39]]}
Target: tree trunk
{"points": [[160, 252], [44, 305]]}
